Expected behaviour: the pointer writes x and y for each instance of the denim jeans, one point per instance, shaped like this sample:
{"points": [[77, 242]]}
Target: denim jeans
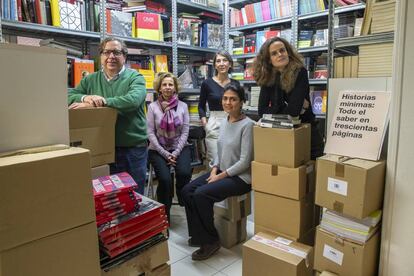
{"points": [[165, 181], [132, 160]]}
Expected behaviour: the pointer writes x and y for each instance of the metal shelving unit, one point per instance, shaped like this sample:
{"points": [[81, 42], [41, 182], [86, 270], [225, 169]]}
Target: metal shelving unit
{"points": [[364, 40], [196, 48], [313, 49], [195, 8], [318, 81], [262, 24], [244, 56]]}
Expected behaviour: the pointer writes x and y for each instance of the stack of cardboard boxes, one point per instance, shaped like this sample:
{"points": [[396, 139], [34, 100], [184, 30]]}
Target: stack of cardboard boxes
{"points": [[47, 216], [284, 210], [230, 218], [352, 188]]}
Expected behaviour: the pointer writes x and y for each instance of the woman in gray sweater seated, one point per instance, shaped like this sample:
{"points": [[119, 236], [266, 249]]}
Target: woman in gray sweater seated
{"points": [[230, 175]]}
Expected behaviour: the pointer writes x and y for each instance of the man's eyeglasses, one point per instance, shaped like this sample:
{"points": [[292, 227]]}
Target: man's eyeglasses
{"points": [[116, 53]]}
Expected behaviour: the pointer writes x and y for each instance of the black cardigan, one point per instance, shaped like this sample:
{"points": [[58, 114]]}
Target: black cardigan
{"points": [[274, 100]]}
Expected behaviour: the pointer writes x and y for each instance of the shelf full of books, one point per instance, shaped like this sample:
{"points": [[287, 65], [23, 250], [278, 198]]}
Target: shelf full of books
{"points": [[196, 6]]}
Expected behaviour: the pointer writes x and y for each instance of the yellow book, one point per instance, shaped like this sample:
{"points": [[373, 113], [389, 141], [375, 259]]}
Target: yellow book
{"points": [[149, 76], [148, 25], [54, 8], [134, 29], [161, 63]]}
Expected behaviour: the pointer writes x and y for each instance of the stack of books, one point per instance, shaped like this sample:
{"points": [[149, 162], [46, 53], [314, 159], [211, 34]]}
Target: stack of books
{"points": [[114, 196], [359, 230], [371, 65], [279, 121], [133, 229], [125, 219]]}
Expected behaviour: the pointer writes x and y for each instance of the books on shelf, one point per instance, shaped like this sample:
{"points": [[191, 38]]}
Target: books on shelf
{"points": [[318, 101], [249, 70], [383, 16], [149, 26], [320, 38], [161, 63], [305, 38], [359, 230], [346, 67], [82, 68], [250, 43], [372, 65], [311, 6], [121, 23]]}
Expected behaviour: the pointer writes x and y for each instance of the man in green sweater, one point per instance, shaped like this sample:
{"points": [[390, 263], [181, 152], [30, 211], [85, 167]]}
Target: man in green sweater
{"points": [[123, 89]]}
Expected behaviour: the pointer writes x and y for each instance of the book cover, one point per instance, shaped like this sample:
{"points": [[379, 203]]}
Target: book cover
{"points": [[215, 36], [184, 34], [70, 16], [318, 102], [82, 68], [250, 43], [121, 23], [161, 63], [112, 184], [147, 25]]}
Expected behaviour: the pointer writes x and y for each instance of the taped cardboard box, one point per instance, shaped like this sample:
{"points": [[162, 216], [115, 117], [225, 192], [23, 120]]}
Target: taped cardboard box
{"points": [[94, 129], [354, 187], [294, 183], [72, 252], [230, 233], [44, 191], [345, 257], [308, 238], [234, 208], [283, 215], [145, 262], [100, 171], [266, 254], [284, 147]]}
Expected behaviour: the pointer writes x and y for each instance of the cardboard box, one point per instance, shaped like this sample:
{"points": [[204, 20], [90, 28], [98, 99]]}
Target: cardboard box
{"points": [[72, 252], [354, 187], [294, 183], [308, 238], [263, 255], [163, 270], [100, 171], [287, 216], [234, 208], [94, 129], [284, 147], [230, 233], [147, 261], [344, 257], [34, 101], [43, 194]]}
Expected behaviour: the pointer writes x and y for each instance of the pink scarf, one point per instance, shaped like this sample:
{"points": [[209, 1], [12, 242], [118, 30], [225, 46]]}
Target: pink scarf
{"points": [[169, 122]]}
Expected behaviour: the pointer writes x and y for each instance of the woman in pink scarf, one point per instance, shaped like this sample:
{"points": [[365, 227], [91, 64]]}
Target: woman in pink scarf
{"points": [[168, 127]]}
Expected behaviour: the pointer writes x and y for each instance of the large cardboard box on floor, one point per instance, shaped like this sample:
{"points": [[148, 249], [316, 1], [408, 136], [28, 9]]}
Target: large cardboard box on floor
{"points": [[287, 216], [44, 193], [234, 208], [294, 183], [163, 270], [265, 254], [145, 262], [354, 187], [308, 238], [283, 147], [72, 252], [230, 233], [345, 257], [94, 129]]}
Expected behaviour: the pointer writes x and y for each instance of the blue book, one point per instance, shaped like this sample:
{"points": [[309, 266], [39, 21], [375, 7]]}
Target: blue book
{"points": [[272, 9], [258, 12], [260, 39]]}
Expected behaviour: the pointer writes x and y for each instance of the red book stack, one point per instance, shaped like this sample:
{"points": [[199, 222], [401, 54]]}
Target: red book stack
{"points": [[125, 218]]}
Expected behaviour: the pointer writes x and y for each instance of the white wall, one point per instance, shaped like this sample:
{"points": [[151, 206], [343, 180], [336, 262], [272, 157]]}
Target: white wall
{"points": [[397, 252]]}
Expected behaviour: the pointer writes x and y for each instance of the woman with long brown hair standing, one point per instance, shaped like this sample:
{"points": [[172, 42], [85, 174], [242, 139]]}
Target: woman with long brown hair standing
{"points": [[280, 72]]}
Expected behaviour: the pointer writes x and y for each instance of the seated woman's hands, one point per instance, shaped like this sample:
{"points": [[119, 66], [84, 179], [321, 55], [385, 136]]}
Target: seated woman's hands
{"points": [[172, 160], [214, 176]]}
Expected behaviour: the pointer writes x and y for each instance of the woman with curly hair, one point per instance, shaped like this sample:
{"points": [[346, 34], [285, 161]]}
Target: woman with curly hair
{"points": [[280, 72]]}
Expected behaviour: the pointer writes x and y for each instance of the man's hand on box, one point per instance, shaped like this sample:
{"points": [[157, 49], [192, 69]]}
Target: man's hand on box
{"points": [[95, 100], [80, 105]]}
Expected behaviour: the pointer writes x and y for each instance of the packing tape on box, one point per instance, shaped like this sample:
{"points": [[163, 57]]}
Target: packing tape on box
{"points": [[34, 150], [283, 247]]}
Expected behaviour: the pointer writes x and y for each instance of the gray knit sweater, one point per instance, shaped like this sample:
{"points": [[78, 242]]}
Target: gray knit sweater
{"points": [[235, 148]]}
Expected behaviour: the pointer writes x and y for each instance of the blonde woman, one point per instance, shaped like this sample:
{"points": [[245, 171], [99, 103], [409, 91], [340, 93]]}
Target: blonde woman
{"points": [[168, 127], [284, 83]]}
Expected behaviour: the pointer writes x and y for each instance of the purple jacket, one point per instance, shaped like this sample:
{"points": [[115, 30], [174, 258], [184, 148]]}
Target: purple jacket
{"points": [[154, 116]]}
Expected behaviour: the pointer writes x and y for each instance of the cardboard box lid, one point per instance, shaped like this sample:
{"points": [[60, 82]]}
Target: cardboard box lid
{"points": [[355, 162], [91, 117], [288, 251]]}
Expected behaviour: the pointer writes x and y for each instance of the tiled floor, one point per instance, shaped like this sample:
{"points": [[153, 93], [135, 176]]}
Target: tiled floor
{"points": [[225, 262]]}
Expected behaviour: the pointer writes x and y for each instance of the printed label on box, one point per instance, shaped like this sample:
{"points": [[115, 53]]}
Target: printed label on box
{"points": [[333, 254], [283, 240], [337, 186]]}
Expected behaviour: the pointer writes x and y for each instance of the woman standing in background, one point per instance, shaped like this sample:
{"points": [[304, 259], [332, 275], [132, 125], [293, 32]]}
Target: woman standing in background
{"points": [[284, 86], [211, 92]]}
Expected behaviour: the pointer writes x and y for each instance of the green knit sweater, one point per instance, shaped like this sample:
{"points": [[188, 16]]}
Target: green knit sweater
{"points": [[127, 95]]}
